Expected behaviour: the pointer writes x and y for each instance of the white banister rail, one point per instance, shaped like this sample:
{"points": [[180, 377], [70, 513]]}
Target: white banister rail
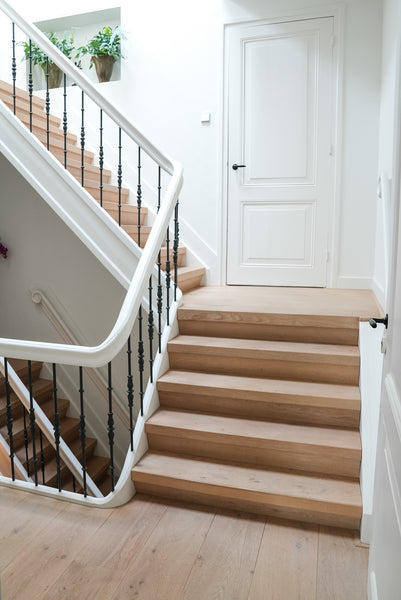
{"points": [[46, 428], [96, 356]]}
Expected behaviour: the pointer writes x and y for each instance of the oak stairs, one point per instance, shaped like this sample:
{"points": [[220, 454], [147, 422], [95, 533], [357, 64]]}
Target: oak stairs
{"points": [[253, 416], [259, 417]]}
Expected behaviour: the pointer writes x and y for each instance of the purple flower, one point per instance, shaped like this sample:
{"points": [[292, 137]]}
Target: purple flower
{"points": [[3, 250]]}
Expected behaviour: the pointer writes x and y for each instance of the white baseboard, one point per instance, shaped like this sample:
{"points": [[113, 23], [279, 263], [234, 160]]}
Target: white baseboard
{"points": [[354, 282], [372, 587], [198, 251], [366, 528]]}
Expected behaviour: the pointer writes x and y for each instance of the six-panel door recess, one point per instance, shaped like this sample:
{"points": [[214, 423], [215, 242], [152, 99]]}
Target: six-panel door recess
{"points": [[280, 180]]}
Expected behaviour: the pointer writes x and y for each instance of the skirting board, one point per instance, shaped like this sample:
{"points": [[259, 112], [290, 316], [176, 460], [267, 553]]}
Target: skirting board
{"points": [[372, 587], [354, 283]]}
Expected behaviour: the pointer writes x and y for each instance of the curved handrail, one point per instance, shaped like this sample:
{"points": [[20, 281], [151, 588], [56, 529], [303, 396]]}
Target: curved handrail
{"points": [[96, 356]]}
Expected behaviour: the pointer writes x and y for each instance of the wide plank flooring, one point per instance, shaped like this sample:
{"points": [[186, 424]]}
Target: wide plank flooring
{"points": [[154, 550]]}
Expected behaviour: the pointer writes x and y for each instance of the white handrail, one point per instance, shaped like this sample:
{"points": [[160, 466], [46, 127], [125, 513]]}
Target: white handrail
{"points": [[96, 356], [46, 428], [89, 88]]}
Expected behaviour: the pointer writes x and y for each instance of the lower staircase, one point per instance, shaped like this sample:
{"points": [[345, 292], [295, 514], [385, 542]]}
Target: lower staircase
{"points": [[260, 411], [42, 391]]}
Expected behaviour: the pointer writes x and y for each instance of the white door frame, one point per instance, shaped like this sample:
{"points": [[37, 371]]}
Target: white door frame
{"points": [[337, 12]]}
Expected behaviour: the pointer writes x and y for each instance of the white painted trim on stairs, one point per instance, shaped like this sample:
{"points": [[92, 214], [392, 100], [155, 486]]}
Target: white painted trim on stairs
{"points": [[351, 282], [372, 587]]}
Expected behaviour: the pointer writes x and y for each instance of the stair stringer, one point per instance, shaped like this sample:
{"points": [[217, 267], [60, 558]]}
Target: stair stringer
{"points": [[72, 203]]}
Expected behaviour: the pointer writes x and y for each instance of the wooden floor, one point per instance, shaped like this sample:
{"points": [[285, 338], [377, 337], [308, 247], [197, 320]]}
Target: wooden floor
{"points": [[51, 550], [281, 300]]}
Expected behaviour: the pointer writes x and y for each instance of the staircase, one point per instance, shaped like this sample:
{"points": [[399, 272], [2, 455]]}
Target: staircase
{"points": [[260, 410], [189, 277], [42, 391]]}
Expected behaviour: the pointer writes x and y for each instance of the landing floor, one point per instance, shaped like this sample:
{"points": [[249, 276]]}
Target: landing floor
{"points": [[151, 550], [286, 300]]}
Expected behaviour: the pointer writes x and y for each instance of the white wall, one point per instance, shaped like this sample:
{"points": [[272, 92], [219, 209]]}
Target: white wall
{"points": [[173, 72], [386, 131]]}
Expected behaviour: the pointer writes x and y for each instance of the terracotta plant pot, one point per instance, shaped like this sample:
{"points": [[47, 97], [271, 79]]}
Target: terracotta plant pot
{"points": [[104, 66], [55, 75]]}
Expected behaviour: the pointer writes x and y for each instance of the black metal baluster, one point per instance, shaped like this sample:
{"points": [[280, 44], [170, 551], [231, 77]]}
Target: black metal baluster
{"points": [[168, 275], [141, 361], [65, 121], [47, 104], [9, 420], [130, 393], [159, 270], [74, 486], [30, 86], [175, 249], [119, 175], [42, 458], [14, 71], [56, 426], [32, 423], [150, 328], [82, 430], [26, 443], [101, 157], [139, 196], [110, 427], [82, 139]]}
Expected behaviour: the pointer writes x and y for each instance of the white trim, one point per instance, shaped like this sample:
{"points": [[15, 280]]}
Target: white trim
{"points": [[337, 11], [354, 282], [372, 587], [378, 291]]}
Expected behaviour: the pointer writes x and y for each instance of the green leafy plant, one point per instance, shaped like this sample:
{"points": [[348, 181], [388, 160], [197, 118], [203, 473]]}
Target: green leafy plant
{"points": [[39, 57], [105, 42]]}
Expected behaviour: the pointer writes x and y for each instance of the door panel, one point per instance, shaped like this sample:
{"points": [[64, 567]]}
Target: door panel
{"points": [[279, 127]]}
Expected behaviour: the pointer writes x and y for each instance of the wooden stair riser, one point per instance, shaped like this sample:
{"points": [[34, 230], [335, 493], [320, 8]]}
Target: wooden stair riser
{"points": [[344, 462], [41, 396], [22, 96], [269, 408], [97, 467], [191, 323], [129, 213], [21, 368], [189, 278], [267, 506], [75, 447], [73, 152], [91, 172], [39, 124], [109, 194], [285, 495], [277, 369]]}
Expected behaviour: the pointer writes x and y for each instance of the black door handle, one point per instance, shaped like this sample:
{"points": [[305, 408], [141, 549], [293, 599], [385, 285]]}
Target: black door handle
{"points": [[235, 166]]}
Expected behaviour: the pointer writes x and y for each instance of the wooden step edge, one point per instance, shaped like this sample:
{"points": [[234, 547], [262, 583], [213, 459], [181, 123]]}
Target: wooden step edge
{"points": [[22, 111], [205, 485], [265, 349], [7, 90]]}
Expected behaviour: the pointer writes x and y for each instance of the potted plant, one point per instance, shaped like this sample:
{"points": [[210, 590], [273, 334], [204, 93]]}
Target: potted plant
{"points": [[39, 57], [105, 49]]}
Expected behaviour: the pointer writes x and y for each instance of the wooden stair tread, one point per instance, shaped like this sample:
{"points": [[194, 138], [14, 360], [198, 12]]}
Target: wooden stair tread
{"points": [[249, 432], [187, 272], [187, 473], [92, 170], [107, 187], [264, 349], [6, 90], [255, 388]]}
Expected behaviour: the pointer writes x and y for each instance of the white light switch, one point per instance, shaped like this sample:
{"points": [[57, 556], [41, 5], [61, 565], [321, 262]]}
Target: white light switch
{"points": [[205, 117]]}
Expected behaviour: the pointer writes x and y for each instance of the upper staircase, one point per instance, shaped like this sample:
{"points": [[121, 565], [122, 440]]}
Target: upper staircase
{"points": [[260, 408], [189, 277]]}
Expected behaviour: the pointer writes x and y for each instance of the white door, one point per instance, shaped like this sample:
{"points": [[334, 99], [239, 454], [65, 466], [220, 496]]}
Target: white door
{"points": [[385, 547], [279, 126]]}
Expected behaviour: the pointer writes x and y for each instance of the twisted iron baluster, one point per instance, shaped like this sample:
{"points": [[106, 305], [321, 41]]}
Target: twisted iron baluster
{"points": [[14, 71], [82, 430], [32, 422], [9, 420], [175, 249], [110, 426], [119, 175], [56, 427], [139, 196], [168, 276], [65, 122], [159, 271], [101, 157], [82, 139], [141, 361], [130, 393], [30, 86], [47, 103], [150, 329]]}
